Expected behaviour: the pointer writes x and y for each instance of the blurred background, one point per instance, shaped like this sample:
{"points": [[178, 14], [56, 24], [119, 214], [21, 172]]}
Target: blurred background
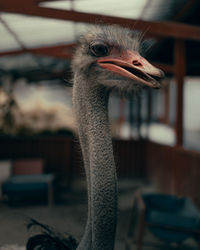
{"points": [[156, 134]]}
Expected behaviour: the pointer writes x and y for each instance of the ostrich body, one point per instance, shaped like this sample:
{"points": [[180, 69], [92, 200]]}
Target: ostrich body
{"points": [[106, 58]]}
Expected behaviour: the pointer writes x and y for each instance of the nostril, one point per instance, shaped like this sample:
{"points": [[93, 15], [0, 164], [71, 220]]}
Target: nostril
{"points": [[136, 63]]}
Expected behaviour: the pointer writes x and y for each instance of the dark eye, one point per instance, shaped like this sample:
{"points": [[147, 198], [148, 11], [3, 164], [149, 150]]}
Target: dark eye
{"points": [[99, 49]]}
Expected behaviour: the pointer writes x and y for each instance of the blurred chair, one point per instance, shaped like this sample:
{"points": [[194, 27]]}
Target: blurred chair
{"points": [[170, 219], [28, 182]]}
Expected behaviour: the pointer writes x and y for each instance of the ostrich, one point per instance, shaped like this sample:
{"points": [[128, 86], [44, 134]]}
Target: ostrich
{"points": [[106, 58]]}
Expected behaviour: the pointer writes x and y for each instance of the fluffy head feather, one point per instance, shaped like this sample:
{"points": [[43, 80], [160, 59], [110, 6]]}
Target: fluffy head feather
{"points": [[84, 64], [116, 63]]}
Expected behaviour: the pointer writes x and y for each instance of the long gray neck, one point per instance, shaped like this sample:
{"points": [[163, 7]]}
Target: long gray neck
{"points": [[91, 109]]}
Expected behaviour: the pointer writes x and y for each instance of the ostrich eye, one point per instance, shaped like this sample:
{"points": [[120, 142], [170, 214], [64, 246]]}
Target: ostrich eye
{"points": [[99, 49]]}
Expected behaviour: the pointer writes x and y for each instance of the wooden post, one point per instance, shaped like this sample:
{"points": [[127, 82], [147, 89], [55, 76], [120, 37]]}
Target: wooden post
{"points": [[149, 107], [166, 96], [122, 118], [180, 71], [139, 116], [131, 116]]}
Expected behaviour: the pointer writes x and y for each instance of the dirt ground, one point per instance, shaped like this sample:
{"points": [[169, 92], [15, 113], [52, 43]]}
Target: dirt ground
{"points": [[67, 216]]}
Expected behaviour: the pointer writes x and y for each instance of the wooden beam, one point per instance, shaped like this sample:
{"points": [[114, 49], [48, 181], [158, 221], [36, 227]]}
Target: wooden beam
{"points": [[167, 68], [164, 29], [38, 75], [65, 51], [180, 70], [60, 51], [12, 52]]}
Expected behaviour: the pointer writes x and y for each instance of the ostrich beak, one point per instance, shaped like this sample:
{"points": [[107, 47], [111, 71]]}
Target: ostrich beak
{"points": [[130, 64]]}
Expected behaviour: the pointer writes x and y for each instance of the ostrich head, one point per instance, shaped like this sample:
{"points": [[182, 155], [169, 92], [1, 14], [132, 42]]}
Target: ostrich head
{"points": [[110, 55]]}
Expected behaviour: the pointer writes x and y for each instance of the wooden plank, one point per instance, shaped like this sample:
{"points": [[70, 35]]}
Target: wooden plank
{"points": [[164, 29], [177, 174], [180, 69], [54, 150]]}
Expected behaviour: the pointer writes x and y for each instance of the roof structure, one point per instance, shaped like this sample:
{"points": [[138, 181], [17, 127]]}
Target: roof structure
{"points": [[27, 25], [44, 33]]}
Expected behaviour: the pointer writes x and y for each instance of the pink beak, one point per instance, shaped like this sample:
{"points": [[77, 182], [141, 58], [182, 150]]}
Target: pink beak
{"points": [[130, 64]]}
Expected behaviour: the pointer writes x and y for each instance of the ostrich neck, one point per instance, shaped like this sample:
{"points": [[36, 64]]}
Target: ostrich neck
{"points": [[91, 109]]}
